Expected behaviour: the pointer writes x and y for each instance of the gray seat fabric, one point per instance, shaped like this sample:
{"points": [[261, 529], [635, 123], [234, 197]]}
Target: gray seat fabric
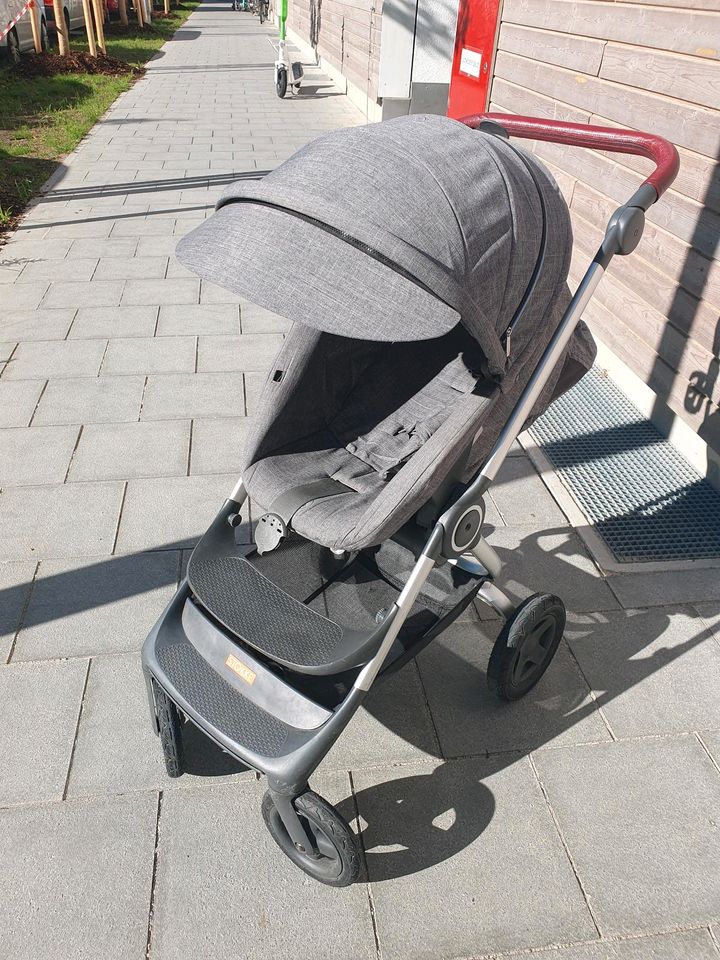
{"points": [[405, 249]]}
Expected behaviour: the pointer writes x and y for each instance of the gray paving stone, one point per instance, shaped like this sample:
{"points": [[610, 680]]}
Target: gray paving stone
{"points": [[666, 587], [80, 229], [550, 561], [392, 726], [37, 325], [115, 247], [109, 451], [685, 945], [66, 520], [77, 269], [126, 268], [34, 455], [34, 251], [15, 582], [105, 322], [18, 399], [471, 852], [116, 699], [94, 293], [638, 818], [275, 906], [161, 291], [254, 383], [253, 351], [176, 269], [207, 319], [470, 720], [76, 879], [212, 293], [142, 227], [103, 605], [55, 358], [217, 445], [156, 246], [24, 296], [256, 319], [39, 706], [522, 498], [91, 400], [653, 671], [173, 511], [199, 395], [150, 355]]}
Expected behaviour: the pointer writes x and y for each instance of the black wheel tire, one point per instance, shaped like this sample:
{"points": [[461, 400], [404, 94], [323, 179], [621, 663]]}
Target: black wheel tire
{"points": [[13, 46], [44, 38], [526, 645], [336, 859], [281, 82], [170, 725]]}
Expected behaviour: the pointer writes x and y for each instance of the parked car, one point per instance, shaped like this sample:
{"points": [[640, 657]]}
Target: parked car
{"points": [[20, 37], [72, 11]]}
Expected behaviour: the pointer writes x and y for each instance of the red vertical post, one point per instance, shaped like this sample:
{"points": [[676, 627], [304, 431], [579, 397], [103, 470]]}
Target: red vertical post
{"points": [[475, 41]]}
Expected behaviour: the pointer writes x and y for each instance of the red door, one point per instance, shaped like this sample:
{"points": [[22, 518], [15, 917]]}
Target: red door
{"points": [[475, 38]]}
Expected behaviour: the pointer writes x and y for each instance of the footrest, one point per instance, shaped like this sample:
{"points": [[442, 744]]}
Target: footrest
{"points": [[241, 704], [266, 618]]}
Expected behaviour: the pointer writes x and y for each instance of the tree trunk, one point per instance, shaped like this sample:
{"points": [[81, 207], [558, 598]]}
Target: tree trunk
{"points": [[98, 11], [35, 25], [61, 27], [122, 10], [89, 28]]}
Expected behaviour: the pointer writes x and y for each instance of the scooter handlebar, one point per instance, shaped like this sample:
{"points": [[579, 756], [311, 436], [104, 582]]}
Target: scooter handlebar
{"points": [[658, 149]]}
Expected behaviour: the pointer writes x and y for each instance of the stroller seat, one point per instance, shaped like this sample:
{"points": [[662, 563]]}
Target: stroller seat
{"points": [[374, 406]]}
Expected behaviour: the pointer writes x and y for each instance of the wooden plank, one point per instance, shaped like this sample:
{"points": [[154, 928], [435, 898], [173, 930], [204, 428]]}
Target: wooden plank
{"points": [[697, 178], [681, 30], [688, 78], [690, 317], [575, 53], [675, 258], [683, 217], [682, 397], [683, 123], [708, 5], [517, 99]]}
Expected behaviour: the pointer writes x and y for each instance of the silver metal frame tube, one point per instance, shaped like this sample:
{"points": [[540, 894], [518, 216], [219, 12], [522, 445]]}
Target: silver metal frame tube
{"points": [[542, 372], [239, 494]]}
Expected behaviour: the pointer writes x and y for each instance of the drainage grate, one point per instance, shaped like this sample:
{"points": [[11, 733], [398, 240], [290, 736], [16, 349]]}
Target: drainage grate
{"points": [[643, 498]]}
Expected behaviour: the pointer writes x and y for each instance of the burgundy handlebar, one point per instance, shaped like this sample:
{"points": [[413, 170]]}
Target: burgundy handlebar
{"points": [[657, 149]]}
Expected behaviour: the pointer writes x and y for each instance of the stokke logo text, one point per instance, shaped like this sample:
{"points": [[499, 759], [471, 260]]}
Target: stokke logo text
{"points": [[238, 667]]}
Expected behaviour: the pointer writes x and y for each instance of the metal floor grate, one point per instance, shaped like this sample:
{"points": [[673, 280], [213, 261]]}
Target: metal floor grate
{"points": [[643, 498]]}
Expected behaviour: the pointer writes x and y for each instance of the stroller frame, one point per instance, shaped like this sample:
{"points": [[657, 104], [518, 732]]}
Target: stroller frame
{"points": [[303, 833]]}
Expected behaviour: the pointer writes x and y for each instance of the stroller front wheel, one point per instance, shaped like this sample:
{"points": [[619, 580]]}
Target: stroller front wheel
{"points": [[335, 859], [526, 645], [170, 731]]}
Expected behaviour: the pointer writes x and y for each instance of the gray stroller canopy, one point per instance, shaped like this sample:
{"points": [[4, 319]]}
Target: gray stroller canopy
{"points": [[402, 251]]}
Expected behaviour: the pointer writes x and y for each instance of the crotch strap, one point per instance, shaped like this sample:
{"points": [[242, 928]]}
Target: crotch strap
{"points": [[274, 526]]}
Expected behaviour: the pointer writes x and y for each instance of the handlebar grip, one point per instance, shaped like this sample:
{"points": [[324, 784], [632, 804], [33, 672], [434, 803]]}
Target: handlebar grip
{"points": [[660, 151]]}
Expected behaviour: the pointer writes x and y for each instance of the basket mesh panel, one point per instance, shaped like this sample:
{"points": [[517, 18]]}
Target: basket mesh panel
{"points": [[262, 614], [643, 498], [236, 717]]}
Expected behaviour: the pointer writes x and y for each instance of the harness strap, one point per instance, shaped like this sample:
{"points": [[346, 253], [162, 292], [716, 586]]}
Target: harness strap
{"points": [[274, 526]]}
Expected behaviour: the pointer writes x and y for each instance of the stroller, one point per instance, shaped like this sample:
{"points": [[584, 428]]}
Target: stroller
{"points": [[424, 263]]}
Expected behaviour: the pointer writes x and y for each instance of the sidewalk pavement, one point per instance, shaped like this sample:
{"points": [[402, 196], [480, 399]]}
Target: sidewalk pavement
{"points": [[584, 817]]}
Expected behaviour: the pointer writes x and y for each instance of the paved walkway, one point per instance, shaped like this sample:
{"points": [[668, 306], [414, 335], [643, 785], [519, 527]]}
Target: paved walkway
{"points": [[587, 814]]}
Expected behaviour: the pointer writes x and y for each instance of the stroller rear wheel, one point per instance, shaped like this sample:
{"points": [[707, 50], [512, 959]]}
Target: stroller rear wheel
{"points": [[526, 645], [170, 730], [334, 859]]}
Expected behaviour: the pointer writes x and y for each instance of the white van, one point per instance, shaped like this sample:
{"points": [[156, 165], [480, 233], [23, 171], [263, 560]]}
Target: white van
{"points": [[72, 11], [20, 37]]}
